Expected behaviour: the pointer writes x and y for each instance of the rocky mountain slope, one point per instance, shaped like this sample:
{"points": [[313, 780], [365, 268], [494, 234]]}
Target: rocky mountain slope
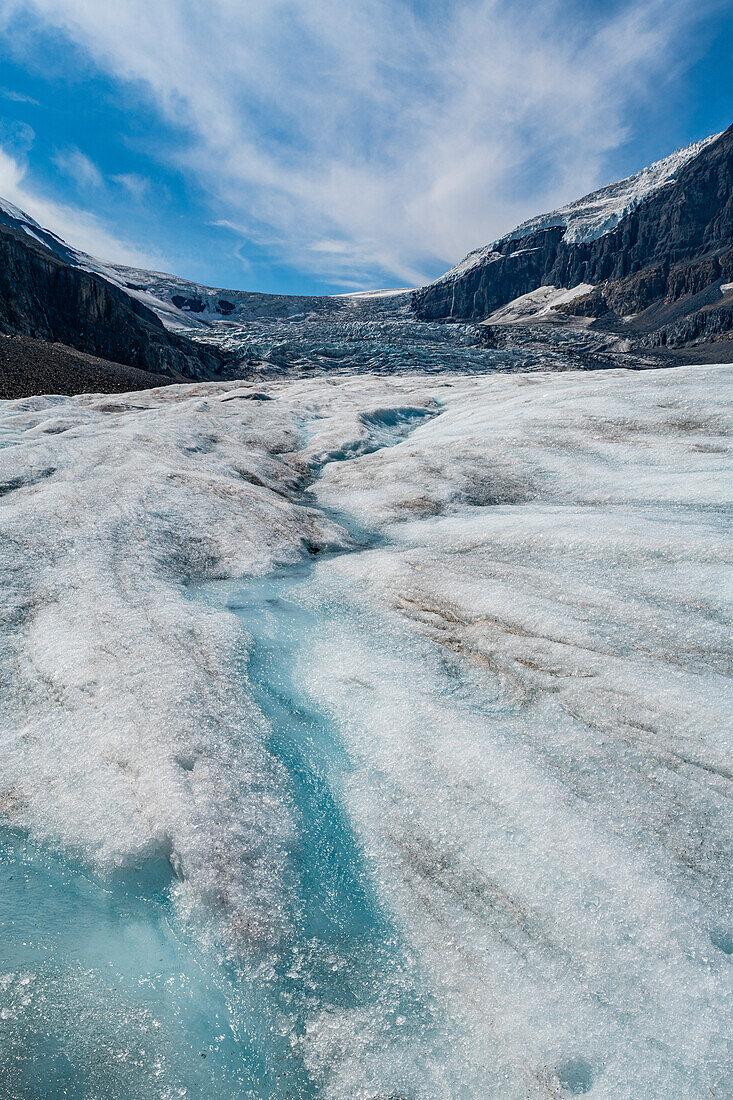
{"points": [[29, 367], [657, 250], [47, 296]]}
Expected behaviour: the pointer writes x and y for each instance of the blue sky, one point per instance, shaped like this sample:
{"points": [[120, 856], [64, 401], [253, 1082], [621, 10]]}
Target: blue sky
{"points": [[320, 145]]}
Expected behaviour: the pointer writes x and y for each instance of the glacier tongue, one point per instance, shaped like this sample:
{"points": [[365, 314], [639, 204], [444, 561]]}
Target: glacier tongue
{"points": [[449, 725], [111, 507]]}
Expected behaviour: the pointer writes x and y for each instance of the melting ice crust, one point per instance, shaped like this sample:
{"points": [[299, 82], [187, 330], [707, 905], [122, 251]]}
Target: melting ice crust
{"points": [[368, 740]]}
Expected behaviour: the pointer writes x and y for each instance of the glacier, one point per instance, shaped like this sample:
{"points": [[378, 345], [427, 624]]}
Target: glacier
{"points": [[368, 737], [266, 335]]}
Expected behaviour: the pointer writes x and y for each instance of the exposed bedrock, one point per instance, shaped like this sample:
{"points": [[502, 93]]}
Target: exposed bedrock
{"points": [[43, 296], [704, 325]]}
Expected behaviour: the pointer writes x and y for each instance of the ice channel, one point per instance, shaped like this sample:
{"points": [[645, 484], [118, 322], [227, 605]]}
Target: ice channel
{"points": [[110, 996], [106, 992]]}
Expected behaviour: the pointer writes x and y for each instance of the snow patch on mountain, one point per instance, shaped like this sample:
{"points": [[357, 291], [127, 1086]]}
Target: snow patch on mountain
{"points": [[545, 301], [14, 212]]}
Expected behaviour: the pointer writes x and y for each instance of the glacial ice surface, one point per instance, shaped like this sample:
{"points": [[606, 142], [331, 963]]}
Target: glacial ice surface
{"points": [[369, 740]]}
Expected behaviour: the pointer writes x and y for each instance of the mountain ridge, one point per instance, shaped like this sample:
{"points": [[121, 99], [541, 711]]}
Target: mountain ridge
{"points": [[676, 242], [46, 296], [596, 213]]}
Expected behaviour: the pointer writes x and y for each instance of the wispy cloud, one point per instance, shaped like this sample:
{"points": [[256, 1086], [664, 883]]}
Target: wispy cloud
{"points": [[85, 174], [79, 168], [135, 185], [18, 97], [78, 226], [376, 138]]}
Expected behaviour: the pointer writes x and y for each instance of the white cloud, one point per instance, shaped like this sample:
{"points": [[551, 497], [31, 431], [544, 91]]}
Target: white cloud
{"points": [[16, 135], [74, 225], [135, 185], [18, 97], [404, 133], [79, 168]]}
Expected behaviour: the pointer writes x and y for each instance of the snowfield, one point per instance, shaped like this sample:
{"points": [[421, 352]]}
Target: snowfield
{"points": [[405, 702], [544, 302]]}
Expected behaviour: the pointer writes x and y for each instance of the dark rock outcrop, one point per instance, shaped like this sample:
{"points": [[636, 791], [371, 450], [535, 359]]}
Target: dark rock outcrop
{"points": [[676, 243], [702, 326], [45, 297], [188, 305]]}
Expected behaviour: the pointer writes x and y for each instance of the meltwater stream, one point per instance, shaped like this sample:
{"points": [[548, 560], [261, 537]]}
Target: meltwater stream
{"points": [[105, 992], [451, 918], [104, 995]]}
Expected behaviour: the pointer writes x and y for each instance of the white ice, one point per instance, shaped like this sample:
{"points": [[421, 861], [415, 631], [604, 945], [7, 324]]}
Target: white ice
{"points": [[527, 664]]}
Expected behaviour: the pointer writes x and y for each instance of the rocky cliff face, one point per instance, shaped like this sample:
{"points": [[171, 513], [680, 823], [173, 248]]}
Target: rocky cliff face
{"points": [[676, 243], [44, 296]]}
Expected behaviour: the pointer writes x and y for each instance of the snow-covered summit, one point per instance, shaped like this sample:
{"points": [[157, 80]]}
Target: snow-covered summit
{"points": [[595, 214], [12, 215], [17, 214]]}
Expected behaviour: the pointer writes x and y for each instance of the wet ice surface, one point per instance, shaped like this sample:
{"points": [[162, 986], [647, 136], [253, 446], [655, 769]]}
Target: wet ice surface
{"points": [[164, 1012], [369, 740]]}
